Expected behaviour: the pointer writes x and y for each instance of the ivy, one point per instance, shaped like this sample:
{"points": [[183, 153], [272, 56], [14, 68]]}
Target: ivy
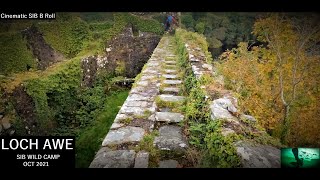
{"points": [[146, 25], [14, 55], [58, 88], [66, 37], [220, 151], [205, 134]]}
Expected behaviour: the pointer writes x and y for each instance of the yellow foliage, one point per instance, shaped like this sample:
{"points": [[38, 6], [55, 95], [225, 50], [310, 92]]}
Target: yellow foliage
{"points": [[262, 75]]}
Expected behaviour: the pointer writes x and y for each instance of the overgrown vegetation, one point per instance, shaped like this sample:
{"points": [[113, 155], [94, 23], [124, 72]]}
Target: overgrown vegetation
{"points": [[215, 150], [14, 55], [175, 106], [90, 138], [72, 34], [62, 105], [278, 83], [66, 35], [146, 144]]}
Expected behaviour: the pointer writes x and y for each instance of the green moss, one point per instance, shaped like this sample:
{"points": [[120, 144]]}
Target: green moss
{"points": [[194, 40], [169, 58], [66, 37], [146, 114], [14, 54], [146, 144], [120, 68], [176, 106], [126, 121]]}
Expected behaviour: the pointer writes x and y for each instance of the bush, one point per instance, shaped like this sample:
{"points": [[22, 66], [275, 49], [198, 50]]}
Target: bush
{"points": [[14, 54], [67, 36], [200, 27]]}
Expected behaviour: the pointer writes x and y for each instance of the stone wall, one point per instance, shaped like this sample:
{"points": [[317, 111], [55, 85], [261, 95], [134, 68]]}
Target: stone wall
{"points": [[133, 51], [89, 66], [251, 153], [43, 52]]}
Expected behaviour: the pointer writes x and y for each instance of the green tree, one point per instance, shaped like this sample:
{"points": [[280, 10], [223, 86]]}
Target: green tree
{"points": [[200, 27]]}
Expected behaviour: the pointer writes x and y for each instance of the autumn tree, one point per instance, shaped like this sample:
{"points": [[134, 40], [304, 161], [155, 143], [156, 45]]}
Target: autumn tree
{"points": [[293, 43], [279, 82]]}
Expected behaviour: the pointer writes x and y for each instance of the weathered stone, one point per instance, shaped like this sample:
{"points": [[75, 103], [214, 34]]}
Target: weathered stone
{"points": [[6, 122], [142, 160], [170, 62], [226, 104], [168, 164], [170, 71], [194, 60], [248, 117], [147, 77], [169, 116], [133, 110], [150, 90], [171, 98], [142, 104], [170, 138], [207, 66], [172, 82], [113, 159], [135, 54], [194, 68], [1, 116], [137, 97], [120, 117], [0, 127], [116, 125], [261, 156], [150, 93], [137, 89], [124, 135], [153, 64], [170, 89], [148, 71], [143, 83], [170, 76], [217, 112], [220, 109]]}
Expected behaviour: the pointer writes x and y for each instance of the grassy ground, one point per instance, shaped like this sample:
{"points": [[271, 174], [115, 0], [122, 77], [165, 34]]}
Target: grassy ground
{"points": [[89, 140]]}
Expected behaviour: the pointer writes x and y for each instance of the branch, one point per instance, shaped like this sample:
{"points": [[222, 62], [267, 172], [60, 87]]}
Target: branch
{"points": [[251, 45]]}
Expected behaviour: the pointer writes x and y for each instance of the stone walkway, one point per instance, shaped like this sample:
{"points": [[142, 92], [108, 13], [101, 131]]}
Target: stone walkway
{"points": [[152, 105]]}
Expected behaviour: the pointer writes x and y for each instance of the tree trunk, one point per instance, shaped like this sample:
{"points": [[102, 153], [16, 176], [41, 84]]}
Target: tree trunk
{"points": [[286, 124]]}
